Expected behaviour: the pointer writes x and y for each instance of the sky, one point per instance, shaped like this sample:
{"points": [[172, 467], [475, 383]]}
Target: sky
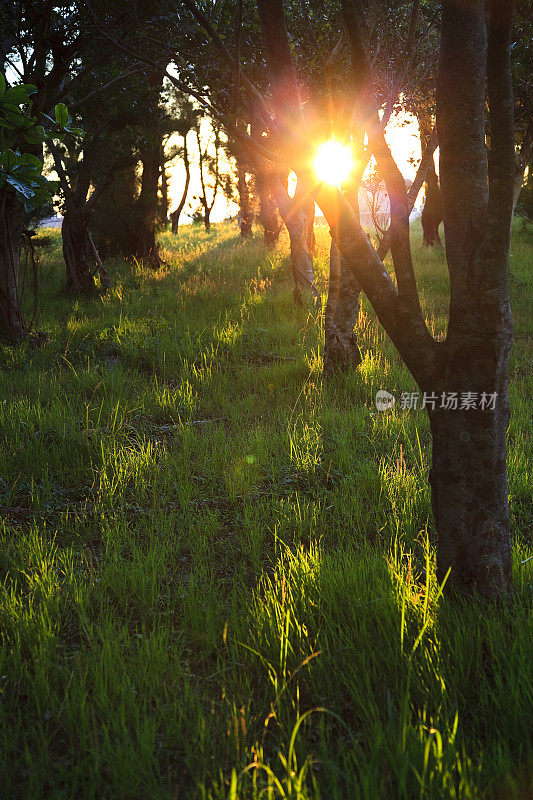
{"points": [[401, 135]]}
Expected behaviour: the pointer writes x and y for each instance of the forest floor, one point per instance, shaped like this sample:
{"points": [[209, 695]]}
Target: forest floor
{"points": [[212, 559]]}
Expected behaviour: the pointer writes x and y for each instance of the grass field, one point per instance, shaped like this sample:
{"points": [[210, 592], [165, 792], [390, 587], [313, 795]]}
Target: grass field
{"points": [[212, 560]]}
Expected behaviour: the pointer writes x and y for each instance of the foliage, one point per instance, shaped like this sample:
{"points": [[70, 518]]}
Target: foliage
{"points": [[21, 172]]}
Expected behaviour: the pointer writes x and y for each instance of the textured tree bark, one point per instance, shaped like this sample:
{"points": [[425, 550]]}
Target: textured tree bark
{"points": [[268, 213], [432, 211], [469, 499], [74, 234], [207, 218], [11, 223], [341, 352], [145, 248], [297, 224]]}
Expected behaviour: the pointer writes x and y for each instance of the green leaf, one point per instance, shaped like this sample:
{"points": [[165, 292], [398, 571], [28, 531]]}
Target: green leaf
{"points": [[31, 160], [20, 186], [2, 84], [19, 95], [8, 159], [61, 114], [35, 135]]}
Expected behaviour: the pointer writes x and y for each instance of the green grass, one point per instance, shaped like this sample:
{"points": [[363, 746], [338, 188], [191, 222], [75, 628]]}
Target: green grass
{"points": [[210, 557]]}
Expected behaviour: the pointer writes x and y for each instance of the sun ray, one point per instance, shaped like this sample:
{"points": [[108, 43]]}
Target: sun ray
{"points": [[333, 162]]}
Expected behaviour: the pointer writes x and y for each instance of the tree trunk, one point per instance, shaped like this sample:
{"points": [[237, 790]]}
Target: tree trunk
{"points": [[523, 158], [164, 187], [175, 216], [207, 219], [432, 211], [74, 233], [246, 213], [146, 209], [340, 341], [268, 215], [297, 225], [11, 223], [469, 498]]}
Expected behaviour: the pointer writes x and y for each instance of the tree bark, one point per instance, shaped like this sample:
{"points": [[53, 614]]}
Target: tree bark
{"points": [[11, 224], [432, 211], [207, 218], [297, 225], [523, 158], [145, 248], [469, 498], [341, 352], [74, 234]]}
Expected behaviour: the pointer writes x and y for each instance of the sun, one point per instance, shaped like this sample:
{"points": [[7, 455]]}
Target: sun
{"points": [[333, 162]]}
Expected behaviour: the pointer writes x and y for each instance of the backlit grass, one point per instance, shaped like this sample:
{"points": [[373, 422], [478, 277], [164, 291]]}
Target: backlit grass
{"points": [[217, 570]]}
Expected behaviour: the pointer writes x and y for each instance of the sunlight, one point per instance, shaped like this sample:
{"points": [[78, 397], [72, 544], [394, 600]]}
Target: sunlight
{"points": [[333, 162]]}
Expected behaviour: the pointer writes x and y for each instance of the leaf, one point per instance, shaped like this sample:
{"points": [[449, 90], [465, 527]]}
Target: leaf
{"points": [[31, 160], [61, 114], [35, 135], [8, 159], [19, 95], [2, 84], [20, 186]]}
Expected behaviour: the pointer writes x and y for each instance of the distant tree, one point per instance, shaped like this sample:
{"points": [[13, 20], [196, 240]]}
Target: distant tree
{"points": [[209, 167]]}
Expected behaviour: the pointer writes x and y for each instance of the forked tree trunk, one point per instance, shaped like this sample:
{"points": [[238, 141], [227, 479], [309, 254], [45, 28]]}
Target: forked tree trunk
{"points": [[432, 211], [340, 340], [11, 224], [74, 233]]}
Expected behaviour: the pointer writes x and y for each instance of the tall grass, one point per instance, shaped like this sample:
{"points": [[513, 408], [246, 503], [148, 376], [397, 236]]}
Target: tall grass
{"points": [[217, 570]]}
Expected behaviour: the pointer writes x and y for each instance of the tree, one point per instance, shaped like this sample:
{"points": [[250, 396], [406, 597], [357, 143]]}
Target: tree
{"points": [[39, 42], [183, 117], [209, 168], [468, 475]]}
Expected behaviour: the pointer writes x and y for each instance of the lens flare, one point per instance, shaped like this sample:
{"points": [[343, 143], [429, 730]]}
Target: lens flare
{"points": [[333, 162]]}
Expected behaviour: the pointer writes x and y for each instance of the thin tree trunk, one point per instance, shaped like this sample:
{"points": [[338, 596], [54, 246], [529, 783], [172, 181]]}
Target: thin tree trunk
{"points": [[523, 158], [207, 218], [175, 216], [74, 233], [432, 211], [164, 187], [246, 213], [340, 340], [11, 223]]}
